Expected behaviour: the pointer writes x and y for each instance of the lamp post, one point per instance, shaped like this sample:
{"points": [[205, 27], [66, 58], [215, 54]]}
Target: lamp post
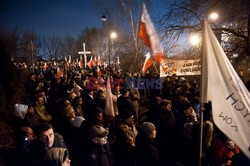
{"points": [[106, 17]]}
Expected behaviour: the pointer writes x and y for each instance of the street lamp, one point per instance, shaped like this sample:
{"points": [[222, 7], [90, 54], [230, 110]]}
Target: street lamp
{"points": [[113, 35], [213, 16], [195, 39]]}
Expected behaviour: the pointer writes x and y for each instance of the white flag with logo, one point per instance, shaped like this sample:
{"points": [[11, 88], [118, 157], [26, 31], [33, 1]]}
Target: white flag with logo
{"points": [[222, 86]]}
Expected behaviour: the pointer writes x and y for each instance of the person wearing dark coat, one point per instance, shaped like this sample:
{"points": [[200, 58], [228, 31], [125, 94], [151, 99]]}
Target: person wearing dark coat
{"points": [[89, 102], [98, 149], [124, 102], [126, 132], [184, 126], [165, 131], [95, 118], [146, 150], [46, 139], [100, 99], [31, 119]]}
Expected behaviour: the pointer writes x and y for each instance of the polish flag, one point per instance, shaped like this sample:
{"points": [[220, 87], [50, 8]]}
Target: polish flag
{"points": [[99, 63], [147, 63], [99, 73], [59, 74], [80, 62], [90, 63], [69, 59], [94, 61], [149, 36]]}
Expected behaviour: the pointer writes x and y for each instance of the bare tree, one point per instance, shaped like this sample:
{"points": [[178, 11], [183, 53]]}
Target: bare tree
{"points": [[232, 27], [53, 48], [10, 39]]}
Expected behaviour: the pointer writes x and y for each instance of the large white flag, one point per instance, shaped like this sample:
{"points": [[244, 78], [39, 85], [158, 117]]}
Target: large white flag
{"points": [[109, 109], [149, 36], [222, 86]]}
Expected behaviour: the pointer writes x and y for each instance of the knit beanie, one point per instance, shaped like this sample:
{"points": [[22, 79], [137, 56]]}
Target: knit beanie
{"points": [[185, 105], [148, 127]]}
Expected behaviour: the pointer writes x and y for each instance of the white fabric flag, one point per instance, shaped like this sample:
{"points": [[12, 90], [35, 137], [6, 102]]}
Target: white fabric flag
{"points": [[109, 110], [222, 86]]}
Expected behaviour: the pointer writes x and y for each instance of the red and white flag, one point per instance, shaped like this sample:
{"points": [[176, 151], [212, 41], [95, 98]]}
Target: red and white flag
{"points": [[229, 96], [109, 109], [149, 36], [99, 73], [90, 63], [69, 59], [99, 63], [147, 63], [94, 61], [80, 62], [59, 74]]}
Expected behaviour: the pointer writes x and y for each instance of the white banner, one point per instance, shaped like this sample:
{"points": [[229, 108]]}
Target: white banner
{"points": [[180, 67]]}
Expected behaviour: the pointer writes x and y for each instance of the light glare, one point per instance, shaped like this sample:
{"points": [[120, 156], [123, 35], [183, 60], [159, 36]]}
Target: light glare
{"points": [[195, 39]]}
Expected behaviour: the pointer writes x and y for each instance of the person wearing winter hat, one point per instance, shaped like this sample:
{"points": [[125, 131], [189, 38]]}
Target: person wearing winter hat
{"points": [[98, 134], [98, 150], [188, 110], [57, 157], [125, 139], [146, 150]]}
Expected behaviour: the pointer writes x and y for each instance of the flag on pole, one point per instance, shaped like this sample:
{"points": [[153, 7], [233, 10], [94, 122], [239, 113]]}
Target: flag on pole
{"points": [[118, 60], [45, 65], [94, 61], [80, 62], [59, 74], [109, 110], [149, 36], [90, 63], [69, 59], [147, 63], [99, 73], [222, 86], [99, 63]]}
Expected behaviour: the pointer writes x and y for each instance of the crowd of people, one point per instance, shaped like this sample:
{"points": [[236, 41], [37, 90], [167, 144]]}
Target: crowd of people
{"points": [[65, 122]]}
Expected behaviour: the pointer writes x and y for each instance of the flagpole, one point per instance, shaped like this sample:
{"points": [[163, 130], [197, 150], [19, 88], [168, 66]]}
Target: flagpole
{"points": [[201, 93], [154, 65]]}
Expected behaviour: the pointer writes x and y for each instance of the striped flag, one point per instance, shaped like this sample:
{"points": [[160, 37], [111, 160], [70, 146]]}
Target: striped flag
{"points": [[90, 63], [59, 74], [149, 36], [99, 63], [147, 63]]}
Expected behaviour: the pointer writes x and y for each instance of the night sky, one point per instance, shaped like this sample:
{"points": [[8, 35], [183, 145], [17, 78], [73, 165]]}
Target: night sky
{"points": [[55, 17], [49, 17]]}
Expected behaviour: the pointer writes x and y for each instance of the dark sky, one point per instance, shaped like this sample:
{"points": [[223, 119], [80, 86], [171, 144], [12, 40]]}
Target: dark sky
{"points": [[49, 17]]}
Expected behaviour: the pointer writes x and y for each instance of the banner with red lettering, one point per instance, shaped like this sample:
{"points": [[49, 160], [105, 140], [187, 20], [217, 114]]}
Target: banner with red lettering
{"points": [[169, 67]]}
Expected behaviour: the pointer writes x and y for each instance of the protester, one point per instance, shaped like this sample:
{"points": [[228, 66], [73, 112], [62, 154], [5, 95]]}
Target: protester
{"points": [[146, 150]]}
